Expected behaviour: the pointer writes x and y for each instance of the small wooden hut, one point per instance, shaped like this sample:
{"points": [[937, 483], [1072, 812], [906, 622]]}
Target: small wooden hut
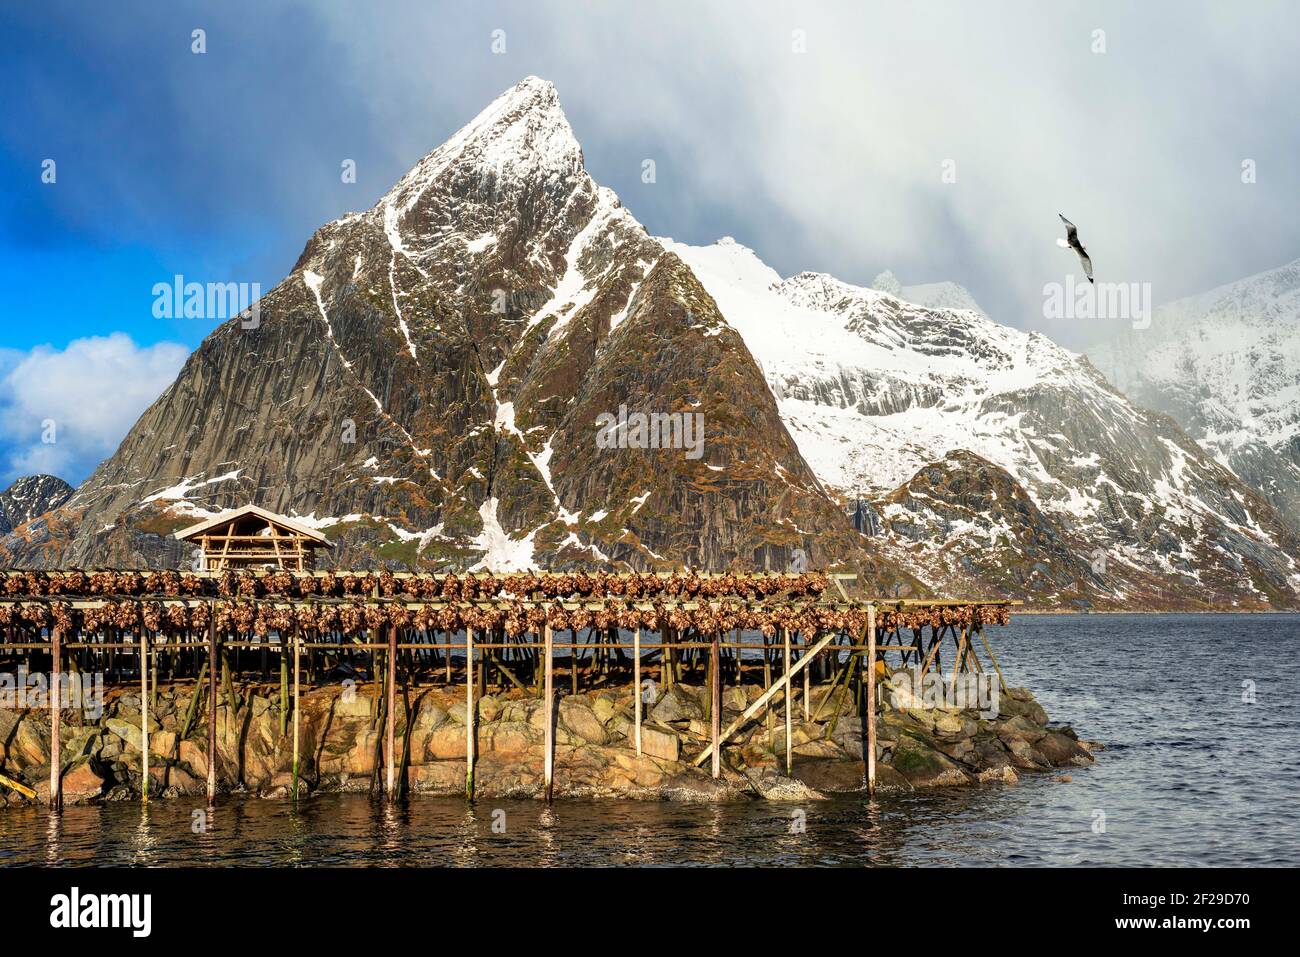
{"points": [[252, 537]]}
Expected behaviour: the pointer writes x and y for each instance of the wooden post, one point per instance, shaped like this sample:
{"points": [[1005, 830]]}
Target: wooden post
{"points": [[871, 699], [297, 644], [636, 684], [56, 719], [390, 694], [469, 713], [715, 701], [807, 684], [144, 716], [284, 687], [785, 673], [549, 710], [979, 629], [212, 703]]}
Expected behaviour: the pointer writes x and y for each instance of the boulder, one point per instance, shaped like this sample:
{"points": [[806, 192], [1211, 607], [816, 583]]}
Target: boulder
{"points": [[676, 704], [446, 741], [354, 704], [1001, 775], [488, 708], [925, 767], [1019, 727], [195, 757], [661, 743], [830, 775], [581, 721], [81, 782], [890, 781], [1025, 756], [1061, 749], [771, 785], [512, 737]]}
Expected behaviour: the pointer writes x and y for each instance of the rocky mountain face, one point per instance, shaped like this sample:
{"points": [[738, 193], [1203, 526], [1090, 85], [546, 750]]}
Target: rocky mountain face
{"points": [[994, 457], [1226, 366], [29, 497], [427, 387], [496, 367]]}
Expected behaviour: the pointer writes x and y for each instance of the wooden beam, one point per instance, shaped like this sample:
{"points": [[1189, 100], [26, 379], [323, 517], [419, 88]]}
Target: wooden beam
{"points": [[765, 697], [979, 630], [144, 717], [390, 733], [212, 703], [18, 786], [636, 684], [297, 645], [469, 714], [715, 701], [56, 720], [785, 671], [871, 699], [548, 710]]}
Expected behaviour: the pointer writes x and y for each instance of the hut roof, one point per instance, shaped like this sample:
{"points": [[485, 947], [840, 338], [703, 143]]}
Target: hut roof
{"points": [[245, 511]]}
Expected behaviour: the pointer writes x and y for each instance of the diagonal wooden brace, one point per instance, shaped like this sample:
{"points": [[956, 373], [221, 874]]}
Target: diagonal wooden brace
{"points": [[754, 708]]}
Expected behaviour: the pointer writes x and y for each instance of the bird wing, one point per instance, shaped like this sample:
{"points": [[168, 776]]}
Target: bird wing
{"points": [[1070, 231], [1087, 263]]}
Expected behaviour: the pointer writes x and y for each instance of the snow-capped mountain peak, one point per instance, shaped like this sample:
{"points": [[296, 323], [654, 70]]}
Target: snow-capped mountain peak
{"points": [[523, 134]]}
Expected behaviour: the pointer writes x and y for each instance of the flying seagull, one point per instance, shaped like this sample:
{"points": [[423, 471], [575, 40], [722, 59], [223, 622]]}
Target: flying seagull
{"points": [[1072, 242]]}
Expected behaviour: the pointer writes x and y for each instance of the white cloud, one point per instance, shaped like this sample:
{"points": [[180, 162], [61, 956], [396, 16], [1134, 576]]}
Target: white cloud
{"points": [[85, 397], [832, 159]]}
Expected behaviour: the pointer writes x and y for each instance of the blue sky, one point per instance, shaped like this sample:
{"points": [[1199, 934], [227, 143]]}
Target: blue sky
{"points": [[219, 166]]}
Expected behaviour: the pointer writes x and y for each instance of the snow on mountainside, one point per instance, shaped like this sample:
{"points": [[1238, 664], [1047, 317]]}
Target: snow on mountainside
{"points": [[425, 387], [1226, 365], [30, 497], [933, 295], [874, 389]]}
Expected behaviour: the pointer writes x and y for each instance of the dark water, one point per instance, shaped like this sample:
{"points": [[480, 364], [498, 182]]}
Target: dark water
{"points": [[1192, 775]]}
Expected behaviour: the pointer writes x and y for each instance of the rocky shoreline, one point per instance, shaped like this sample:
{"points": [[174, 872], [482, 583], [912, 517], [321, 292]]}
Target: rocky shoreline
{"points": [[341, 745]]}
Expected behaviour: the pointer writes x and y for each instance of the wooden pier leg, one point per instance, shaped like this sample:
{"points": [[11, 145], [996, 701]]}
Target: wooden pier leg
{"points": [[871, 699], [549, 708], [284, 687], [785, 674], [144, 716], [469, 714], [767, 679], [390, 732], [448, 662], [636, 684], [979, 630], [297, 645], [715, 700], [573, 660], [212, 703], [807, 683], [56, 720]]}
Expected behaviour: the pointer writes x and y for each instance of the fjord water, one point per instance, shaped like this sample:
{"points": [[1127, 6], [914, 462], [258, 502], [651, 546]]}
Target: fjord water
{"points": [[1194, 773]]}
